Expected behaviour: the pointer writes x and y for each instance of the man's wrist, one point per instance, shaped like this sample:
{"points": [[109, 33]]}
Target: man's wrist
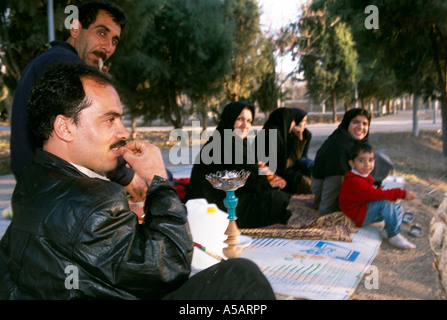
{"points": [[156, 180]]}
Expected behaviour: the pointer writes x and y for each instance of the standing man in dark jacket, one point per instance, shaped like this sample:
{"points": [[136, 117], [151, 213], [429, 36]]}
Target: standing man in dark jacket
{"points": [[95, 38], [73, 235]]}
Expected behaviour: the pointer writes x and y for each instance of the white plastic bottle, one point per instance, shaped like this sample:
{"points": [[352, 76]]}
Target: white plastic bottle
{"points": [[208, 225]]}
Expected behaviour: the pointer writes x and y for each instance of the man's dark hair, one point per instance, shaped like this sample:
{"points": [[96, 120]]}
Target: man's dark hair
{"points": [[358, 148], [59, 91], [88, 11]]}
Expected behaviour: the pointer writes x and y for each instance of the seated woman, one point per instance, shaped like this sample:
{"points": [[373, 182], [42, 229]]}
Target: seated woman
{"points": [[259, 203], [332, 159], [292, 145]]}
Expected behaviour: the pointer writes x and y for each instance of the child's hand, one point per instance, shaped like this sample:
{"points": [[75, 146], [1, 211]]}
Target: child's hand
{"points": [[410, 196]]}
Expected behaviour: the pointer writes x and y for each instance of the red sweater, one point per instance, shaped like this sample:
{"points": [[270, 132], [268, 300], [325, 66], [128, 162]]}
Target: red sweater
{"points": [[355, 193]]}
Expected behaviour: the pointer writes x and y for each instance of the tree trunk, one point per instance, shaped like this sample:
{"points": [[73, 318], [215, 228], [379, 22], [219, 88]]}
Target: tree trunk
{"points": [[334, 105], [441, 70], [443, 101], [415, 116], [174, 110], [134, 128], [203, 113]]}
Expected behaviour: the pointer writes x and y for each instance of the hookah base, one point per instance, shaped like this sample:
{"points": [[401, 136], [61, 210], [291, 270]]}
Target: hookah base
{"points": [[232, 250]]}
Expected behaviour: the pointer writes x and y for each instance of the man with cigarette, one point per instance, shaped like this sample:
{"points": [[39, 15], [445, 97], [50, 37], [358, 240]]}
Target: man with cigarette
{"points": [[93, 39], [73, 235]]}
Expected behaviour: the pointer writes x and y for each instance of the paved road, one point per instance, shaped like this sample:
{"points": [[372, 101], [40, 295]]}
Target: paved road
{"points": [[402, 121]]}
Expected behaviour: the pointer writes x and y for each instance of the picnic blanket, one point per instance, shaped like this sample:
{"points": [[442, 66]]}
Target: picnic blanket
{"points": [[306, 223], [313, 256], [316, 269]]}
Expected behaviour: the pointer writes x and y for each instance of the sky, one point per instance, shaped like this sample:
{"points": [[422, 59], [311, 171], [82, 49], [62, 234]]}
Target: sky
{"points": [[274, 15]]}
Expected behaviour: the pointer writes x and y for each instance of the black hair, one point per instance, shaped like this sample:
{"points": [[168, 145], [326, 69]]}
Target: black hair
{"points": [[59, 91], [89, 10], [358, 148]]}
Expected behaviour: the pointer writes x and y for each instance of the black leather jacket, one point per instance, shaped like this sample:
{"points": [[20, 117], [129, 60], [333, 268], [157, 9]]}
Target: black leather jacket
{"points": [[74, 237]]}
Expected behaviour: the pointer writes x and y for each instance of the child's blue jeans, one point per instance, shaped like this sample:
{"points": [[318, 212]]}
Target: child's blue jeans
{"points": [[388, 211]]}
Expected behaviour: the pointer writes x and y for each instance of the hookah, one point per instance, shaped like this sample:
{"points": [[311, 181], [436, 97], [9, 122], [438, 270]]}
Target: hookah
{"points": [[230, 181]]}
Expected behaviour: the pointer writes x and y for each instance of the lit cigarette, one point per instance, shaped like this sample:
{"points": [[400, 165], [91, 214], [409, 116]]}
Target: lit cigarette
{"points": [[100, 64]]}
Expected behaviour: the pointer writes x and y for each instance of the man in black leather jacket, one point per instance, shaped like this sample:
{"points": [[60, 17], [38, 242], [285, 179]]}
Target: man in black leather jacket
{"points": [[73, 235]]}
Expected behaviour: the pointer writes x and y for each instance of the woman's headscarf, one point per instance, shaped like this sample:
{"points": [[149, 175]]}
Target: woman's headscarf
{"points": [[280, 119], [332, 157], [229, 115], [351, 114], [299, 115], [199, 187]]}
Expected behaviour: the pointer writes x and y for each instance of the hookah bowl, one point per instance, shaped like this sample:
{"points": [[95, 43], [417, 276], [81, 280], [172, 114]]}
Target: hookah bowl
{"points": [[230, 181]]}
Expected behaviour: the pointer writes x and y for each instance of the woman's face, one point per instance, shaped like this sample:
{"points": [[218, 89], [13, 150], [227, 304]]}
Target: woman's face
{"points": [[243, 123], [297, 129], [359, 127]]}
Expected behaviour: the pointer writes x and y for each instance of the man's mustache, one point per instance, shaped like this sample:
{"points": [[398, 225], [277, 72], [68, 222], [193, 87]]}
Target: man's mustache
{"points": [[101, 54], [118, 144]]}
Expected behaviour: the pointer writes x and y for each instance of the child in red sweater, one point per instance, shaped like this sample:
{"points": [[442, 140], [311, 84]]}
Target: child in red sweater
{"points": [[364, 204]]}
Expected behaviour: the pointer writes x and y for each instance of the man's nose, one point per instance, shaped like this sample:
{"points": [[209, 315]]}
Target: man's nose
{"points": [[107, 45], [122, 132]]}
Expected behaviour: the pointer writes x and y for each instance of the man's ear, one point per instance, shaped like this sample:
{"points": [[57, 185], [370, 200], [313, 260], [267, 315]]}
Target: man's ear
{"points": [[75, 26], [62, 128]]}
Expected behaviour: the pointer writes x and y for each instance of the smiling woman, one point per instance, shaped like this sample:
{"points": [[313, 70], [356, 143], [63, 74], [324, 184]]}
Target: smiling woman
{"points": [[259, 203], [332, 159]]}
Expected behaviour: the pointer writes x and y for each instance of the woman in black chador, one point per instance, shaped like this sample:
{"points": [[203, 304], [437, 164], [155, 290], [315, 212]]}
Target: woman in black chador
{"points": [[259, 203], [332, 159], [290, 147]]}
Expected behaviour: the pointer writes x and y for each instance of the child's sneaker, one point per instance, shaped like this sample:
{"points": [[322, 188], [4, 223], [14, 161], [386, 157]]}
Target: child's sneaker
{"points": [[400, 242]]}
